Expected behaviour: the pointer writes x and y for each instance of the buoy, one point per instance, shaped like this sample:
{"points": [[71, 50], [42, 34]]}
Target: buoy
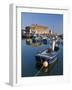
{"points": [[45, 64]]}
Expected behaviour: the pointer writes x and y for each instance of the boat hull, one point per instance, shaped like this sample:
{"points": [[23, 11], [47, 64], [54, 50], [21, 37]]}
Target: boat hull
{"points": [[41, 59]]}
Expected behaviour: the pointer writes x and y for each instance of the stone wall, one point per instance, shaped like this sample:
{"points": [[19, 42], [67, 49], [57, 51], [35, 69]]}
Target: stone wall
{"points": [[39, 29]]}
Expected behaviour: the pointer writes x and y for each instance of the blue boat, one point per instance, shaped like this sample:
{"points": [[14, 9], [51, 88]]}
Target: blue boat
{"points": [[44, 40], [47, 55]]}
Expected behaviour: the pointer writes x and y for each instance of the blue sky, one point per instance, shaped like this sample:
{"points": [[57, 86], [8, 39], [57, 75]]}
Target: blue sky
{"points": [[49, 20]]}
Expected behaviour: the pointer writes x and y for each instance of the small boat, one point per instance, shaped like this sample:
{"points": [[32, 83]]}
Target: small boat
{"points": [[44, 39], [36, 38], [49, 55]]}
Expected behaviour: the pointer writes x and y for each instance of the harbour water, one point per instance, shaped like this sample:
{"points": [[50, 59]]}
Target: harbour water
{"points": [[29, 66]]}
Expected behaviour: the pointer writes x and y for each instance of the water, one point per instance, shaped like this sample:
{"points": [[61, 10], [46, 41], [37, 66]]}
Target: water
{"points": [[29, 67]]}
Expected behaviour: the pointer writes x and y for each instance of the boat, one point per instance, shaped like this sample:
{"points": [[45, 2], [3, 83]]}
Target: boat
{"points": [[36, 38], [44, 40], [49, 55]]}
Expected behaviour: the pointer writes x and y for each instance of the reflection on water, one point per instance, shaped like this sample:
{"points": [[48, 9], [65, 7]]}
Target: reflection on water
{"points": [[36, 43], [30, 67]]}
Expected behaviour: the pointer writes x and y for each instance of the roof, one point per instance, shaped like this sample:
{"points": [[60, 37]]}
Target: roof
{"points": [[38, 26]]}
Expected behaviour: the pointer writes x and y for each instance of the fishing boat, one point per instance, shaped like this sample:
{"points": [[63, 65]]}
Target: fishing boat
{"points": [[36, 38], [49, 55], [44, 40]]}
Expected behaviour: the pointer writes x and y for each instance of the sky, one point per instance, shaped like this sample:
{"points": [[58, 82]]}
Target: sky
{"points": [[53, 21]]}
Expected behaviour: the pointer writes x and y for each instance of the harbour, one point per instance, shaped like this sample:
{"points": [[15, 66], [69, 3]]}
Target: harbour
{"points": [[41, 44], [31, 66]]}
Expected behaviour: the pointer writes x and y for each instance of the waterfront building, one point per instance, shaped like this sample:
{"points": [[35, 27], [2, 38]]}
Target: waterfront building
{"points": [[39, 29]]}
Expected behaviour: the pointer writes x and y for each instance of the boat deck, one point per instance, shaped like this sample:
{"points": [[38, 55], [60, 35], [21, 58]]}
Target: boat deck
{"points": [[47, 55]]}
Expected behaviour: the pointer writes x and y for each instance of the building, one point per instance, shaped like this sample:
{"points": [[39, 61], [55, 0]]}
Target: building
{"points": [[39, 29]]}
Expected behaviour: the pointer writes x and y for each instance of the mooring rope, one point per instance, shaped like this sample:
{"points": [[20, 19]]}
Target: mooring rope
{"points": [[38, 71]]}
